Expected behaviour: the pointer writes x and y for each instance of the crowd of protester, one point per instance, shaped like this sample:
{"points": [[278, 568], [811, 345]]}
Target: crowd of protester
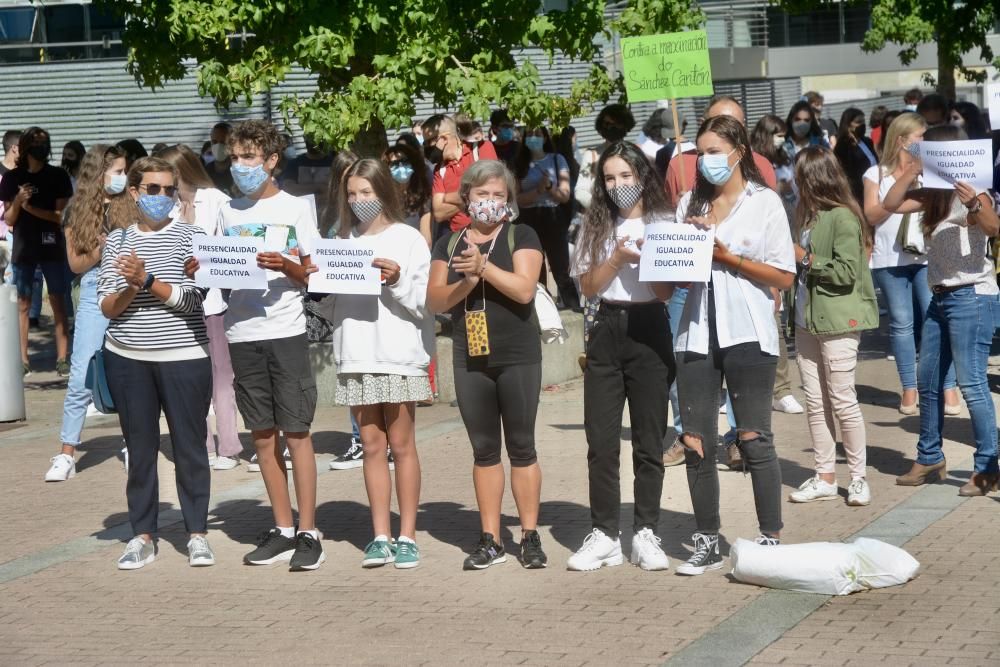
{"points": [[810, 215]]}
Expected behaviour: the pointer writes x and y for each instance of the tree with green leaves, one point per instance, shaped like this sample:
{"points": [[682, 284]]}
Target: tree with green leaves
{"points": [[956, 28], [373, 57]]}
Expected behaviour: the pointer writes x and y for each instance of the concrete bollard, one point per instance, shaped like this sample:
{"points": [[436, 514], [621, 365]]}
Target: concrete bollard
{"points": [[11, 373]]}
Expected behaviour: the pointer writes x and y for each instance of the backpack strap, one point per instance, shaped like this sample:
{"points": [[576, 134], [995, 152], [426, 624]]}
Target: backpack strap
{"points": [[453, 243], [510, 239]]}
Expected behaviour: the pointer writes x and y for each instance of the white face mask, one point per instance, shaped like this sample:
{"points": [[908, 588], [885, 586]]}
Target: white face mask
{"points": [[778, 140]]}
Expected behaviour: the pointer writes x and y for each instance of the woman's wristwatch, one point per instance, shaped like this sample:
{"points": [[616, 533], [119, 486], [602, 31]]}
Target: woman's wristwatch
{"points": [[148, 282], [806, 260]]}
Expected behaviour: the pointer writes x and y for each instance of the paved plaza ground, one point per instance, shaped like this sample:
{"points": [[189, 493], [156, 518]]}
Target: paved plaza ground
{"points": [[63, 602]]}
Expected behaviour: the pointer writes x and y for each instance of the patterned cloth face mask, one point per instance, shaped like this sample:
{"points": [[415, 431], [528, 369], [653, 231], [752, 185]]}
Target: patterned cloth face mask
{"points": [[489, 211], [367, 210], [625, 196]]}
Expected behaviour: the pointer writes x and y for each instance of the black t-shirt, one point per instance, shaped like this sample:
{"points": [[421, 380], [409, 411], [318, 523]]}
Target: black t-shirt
{"points": [[35, 239], [512, 327]]}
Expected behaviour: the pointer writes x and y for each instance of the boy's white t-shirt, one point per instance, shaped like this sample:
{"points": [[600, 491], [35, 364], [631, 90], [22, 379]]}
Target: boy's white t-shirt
{"points": [[286, 223]]}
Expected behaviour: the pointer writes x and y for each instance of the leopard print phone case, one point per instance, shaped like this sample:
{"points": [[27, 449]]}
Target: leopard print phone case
{"points": [[476, 334]]}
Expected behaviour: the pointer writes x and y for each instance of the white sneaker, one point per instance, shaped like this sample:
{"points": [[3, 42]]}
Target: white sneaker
{"points": [[92, 411], [858, 493], [199, 553], [138, 553], [597, 551], [646, 551], [225, 462], [125, 459], [63, 467], [814, 489], [788, 405], [288, 459]]}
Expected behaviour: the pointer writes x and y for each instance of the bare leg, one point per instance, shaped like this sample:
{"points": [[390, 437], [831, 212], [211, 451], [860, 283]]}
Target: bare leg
{"points": [[378, 483], [62, 329], [272, 469], [23, 306], [400, 419], [526, 485], [489, 483], [300, 446]]}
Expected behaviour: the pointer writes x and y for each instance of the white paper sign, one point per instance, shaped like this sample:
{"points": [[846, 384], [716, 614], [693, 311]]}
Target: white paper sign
{"points": [[948, 161], [676, 253], [344, 267], [993, 102], [228, 262]]}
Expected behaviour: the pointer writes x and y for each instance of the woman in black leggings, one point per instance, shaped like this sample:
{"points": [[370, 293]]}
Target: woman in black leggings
{"points": [[485, 276]]}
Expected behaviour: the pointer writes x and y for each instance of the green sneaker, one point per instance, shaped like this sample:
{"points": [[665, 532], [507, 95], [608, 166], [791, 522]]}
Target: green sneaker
{"points": [[407, 555], [62, 368], [379, 552]]}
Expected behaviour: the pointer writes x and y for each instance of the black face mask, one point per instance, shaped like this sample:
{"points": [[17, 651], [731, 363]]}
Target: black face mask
{"points": [[859, 131], [70, 164], [613, 132], [433, 154], [40, 153]]}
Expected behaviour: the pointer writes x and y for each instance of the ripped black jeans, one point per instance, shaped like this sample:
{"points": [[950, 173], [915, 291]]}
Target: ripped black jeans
{"points": [[749, 375]]}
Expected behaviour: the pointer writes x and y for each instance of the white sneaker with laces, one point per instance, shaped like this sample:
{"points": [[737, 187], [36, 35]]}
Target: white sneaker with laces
{"points": [[646, 551], [253, 466], [858, 493], [199, 553], [225, 462], [814, 489], [597, 551], [788, 405], [63, 467]]}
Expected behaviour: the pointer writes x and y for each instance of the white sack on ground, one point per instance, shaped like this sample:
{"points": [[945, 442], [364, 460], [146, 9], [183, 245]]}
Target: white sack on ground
{"points": [[829, 568]]}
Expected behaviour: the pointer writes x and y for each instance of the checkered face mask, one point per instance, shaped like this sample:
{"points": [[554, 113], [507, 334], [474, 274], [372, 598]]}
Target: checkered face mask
{"points": [[366, 210], [489, 211], [625, 196]]}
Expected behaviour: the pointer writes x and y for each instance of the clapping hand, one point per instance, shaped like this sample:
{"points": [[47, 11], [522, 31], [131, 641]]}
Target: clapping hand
{"points": [[469, 262], [133, 269]]}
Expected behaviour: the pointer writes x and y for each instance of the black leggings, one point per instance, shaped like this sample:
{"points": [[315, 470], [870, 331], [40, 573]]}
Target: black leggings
{"points": [[510, 392]]}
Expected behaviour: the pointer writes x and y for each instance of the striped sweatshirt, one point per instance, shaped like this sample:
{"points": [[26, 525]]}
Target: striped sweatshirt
{"points": [[149, 328]]}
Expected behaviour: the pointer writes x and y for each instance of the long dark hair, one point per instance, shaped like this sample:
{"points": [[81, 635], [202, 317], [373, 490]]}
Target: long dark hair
{"points": [[522, 161], [937, 203], [814, 129], [376, 173], [762, 139], [30, 137], [417, 190], [732, 132], [844, 133], [975, 124], [599, 222], [822, 187]]}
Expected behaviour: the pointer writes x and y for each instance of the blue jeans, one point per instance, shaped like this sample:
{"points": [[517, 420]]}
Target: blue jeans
{"points": [[908, 297], [675, 309], [88, 337], [959, 327], [355, 430]]}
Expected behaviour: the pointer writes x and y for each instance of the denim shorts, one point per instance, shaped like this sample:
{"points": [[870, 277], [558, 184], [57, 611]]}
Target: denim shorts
{"points": [[55, 272]]}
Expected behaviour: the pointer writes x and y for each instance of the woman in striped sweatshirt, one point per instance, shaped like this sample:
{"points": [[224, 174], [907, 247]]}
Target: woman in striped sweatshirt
{"points": [[156, 358]]}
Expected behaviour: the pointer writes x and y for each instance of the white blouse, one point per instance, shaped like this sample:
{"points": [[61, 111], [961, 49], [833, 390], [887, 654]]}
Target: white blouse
{"points": [[756, 228]]}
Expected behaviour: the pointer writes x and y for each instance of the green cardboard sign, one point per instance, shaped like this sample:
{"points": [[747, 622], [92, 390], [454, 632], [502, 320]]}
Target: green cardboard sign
{"points": [[670, 66]]}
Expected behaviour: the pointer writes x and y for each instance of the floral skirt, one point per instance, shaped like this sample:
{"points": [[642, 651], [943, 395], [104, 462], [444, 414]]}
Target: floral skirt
{"points": [[372, 388]]}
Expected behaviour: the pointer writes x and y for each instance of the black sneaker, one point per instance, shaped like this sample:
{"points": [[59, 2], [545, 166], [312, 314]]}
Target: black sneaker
{"points": [[272, 547], [392, 461], [706, 555], [352, 458], [308, 553], [486, 553], [532, 556]]}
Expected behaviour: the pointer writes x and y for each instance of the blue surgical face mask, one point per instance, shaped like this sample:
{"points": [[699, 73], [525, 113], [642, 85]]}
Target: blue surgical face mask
{"points": [[248, 179], [156, 207], [715, 167], [401, 172], [534, 144], [116, 184], [506, 134]]}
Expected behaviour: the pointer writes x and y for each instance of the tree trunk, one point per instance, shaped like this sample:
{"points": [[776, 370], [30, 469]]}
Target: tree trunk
{"points": [[947, 62], [371, 142]]}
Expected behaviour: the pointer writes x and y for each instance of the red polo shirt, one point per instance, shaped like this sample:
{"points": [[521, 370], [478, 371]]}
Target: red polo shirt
{"points": [[449, 177]]}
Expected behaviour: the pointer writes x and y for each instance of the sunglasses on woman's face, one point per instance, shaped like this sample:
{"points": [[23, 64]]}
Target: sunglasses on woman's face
{"points": [[398, 163], [156, 189]]}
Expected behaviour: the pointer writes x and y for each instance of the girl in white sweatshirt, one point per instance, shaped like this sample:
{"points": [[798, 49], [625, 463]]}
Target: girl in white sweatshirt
{"points": [[382, 346]]}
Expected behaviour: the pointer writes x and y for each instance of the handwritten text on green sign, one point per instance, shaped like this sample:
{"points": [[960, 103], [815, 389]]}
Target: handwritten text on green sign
{"points": [[667, 66]]}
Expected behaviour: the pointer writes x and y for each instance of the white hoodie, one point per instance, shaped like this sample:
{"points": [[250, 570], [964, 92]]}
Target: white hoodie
{"points": [[392, 333]]}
